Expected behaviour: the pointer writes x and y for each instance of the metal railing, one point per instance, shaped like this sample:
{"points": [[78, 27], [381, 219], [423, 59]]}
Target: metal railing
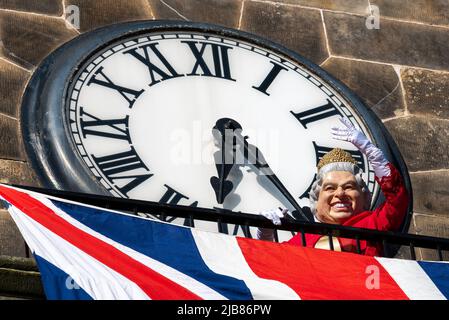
{"points": [[190, 214]]}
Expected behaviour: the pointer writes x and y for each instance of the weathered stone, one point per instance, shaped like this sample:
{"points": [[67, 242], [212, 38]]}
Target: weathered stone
{"points": [[12, 83], [403, 253], [376, 84], [431, 192], [425, 11], [353, 6], [394, 42], [222, 12], [423, 142], [11, 241], [435, 226], [18, 263], [11, 146], [27, 39], [298, 29], [23, 284], [51, 7], [98, 13], [429, 225], [426, 92], [16, 172]]}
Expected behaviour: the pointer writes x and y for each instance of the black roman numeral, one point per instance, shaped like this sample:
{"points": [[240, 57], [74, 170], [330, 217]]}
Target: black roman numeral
{"points": [[316, 114], [101, 79], [320, 151], [277, 68], [173, 197], [111, 128], [245, 230], [219, 65], [115, 165], [154, 70]]}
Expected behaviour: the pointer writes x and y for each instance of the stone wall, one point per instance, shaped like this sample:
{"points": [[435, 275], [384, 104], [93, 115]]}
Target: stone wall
{"points": [[400, 70]]}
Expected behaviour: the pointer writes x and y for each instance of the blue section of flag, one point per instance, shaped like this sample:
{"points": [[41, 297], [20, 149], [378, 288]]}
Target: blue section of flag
{"points": [[168, 244], [58, 285], [439, 273]]}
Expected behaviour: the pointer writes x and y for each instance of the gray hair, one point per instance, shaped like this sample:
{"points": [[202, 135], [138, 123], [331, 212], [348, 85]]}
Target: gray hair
{"points": [[338, 166]]}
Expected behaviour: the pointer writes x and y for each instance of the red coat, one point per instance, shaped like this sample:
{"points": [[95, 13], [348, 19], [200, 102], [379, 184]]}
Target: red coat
{"points": [[387, 217]]}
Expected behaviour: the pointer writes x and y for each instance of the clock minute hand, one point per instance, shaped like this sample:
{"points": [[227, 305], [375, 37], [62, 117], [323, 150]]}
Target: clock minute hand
{"points": [[254, 157], [224, 158]]}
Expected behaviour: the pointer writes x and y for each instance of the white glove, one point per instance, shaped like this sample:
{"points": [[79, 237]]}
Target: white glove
{"points": [[275, 216], [375, 156]]}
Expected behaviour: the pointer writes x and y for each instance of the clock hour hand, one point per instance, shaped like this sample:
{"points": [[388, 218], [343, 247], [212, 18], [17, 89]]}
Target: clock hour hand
{"points": [[224, 137], [254, 157]]}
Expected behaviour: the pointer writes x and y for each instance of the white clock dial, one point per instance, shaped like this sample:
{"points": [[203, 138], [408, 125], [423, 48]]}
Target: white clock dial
{"points": [[141, 114]]}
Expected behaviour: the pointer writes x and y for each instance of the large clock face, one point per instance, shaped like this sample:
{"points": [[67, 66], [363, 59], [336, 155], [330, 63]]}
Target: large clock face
{"points": [[138, 114]]}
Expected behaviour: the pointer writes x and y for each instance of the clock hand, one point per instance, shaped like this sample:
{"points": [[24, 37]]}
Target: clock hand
{"points": [[254, 157], [224, 158]]}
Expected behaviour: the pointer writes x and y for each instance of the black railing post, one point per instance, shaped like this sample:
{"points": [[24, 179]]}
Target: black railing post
{"points": [[440, 253], [359, 249], [220, 226], [303, 237], [385, 248], [412, 251], [276, 236], [246, 230], [27, 250], [191, 221], [331, 242]]}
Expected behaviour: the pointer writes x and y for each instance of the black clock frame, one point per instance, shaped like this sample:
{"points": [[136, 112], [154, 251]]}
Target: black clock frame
{"points": [[47, 142]]}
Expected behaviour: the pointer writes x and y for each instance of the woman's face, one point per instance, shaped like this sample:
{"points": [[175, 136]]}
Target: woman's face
{"points": [[340, 198]]}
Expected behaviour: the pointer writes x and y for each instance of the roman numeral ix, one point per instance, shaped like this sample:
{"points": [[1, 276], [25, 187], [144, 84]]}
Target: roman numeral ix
{"points": [[111, 128]]}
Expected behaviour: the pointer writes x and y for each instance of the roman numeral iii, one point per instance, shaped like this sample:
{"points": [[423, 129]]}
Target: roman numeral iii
{"points": [[317, 114]]}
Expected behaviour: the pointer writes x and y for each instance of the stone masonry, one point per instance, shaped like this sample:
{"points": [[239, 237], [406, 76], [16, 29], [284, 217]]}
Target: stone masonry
{"points": [[400, 70]]}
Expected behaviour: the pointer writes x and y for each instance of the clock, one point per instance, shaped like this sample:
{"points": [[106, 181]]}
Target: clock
{"points": [[142, 110]]}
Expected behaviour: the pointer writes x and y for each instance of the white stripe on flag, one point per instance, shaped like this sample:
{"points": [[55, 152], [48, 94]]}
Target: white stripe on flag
{"points": [[98, 280], [174, 275], [222, 255], [412, 279]]}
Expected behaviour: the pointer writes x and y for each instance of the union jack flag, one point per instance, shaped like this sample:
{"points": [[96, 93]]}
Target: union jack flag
{"points": [[86, 252]]}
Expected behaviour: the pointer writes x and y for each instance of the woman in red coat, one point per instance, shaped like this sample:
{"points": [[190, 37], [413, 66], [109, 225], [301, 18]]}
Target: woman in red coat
{"points": [[340, 196]]}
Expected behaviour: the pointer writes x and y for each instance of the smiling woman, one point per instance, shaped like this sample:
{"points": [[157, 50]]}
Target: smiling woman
{"points": [[339, 195], [342, 195]]}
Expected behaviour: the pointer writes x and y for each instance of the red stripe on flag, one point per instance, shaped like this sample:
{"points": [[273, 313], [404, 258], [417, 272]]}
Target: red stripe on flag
{"points": [[151, 282], [320, 274]]}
